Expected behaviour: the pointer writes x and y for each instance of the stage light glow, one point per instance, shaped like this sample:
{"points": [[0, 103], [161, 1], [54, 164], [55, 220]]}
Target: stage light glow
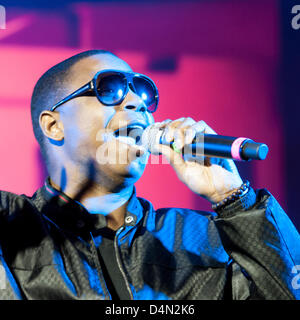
{"points": [[120, 93]]}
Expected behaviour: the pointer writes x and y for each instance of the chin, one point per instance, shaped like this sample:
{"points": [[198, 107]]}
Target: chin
{"points": [[133, 170]]}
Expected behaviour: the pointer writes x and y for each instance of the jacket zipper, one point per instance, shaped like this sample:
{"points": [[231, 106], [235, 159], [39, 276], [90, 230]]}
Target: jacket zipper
{"points": [[119, 263]]}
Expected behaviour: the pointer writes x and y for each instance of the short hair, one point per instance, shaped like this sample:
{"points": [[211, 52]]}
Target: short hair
{"points": [[52, 87]]}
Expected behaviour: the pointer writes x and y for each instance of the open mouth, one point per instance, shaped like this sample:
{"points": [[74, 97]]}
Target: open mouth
{"points": [[131, 134]]}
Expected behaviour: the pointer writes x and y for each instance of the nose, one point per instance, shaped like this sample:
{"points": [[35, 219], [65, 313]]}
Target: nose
{"points": [[139, 108], [133, 102]]}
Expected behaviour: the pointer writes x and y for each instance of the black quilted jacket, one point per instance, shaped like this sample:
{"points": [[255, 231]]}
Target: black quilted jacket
{"points": [[249, 250]]}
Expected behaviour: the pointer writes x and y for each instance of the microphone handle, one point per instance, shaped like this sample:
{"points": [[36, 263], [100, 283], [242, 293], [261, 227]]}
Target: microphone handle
{"points": [[226, 147]]}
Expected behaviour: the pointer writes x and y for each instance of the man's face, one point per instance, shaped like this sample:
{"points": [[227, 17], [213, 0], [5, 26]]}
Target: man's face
{"points": [[90, 127]]}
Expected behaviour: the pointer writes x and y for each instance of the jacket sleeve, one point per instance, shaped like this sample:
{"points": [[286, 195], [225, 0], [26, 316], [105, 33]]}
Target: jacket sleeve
{"points": [[8, 286], [261, 239]]}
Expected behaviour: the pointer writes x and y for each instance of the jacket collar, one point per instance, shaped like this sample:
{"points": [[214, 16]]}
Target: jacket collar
{"points": [[70, 215]]}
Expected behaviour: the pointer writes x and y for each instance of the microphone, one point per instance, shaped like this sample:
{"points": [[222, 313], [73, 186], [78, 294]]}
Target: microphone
{"points": [[211, 145]]}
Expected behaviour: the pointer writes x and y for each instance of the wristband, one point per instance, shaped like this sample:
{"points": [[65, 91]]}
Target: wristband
{"points": [[243, 189]]}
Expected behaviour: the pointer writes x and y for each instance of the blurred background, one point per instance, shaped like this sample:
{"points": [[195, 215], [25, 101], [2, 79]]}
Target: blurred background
{"points": [[231, 63]]}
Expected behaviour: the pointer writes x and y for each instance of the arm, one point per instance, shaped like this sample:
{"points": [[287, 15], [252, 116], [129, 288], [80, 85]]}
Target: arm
{"points": [[258, 235], [255, 232], [8, 286]]}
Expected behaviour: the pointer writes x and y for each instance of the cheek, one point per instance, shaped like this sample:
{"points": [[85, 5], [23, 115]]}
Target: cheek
{"points": [[150, 118], [81, 128]]}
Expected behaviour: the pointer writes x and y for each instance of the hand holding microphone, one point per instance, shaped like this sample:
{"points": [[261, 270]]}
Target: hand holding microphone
{"points": [[213, 178], [211, 145]]}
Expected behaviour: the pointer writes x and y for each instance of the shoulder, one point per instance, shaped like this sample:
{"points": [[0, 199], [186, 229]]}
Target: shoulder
{"points": [[12, 204], [8, 199]]}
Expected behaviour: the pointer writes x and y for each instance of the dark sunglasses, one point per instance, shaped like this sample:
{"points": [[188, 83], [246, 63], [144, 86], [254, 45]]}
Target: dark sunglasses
{"points": [[111, 87]]}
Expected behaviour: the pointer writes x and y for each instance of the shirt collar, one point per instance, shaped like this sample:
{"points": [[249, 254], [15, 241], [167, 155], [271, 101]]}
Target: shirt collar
{"points": [[71, 215]]}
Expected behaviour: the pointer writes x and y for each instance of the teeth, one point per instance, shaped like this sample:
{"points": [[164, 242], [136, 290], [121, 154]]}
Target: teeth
{"points": [[136, 127], [127, 140], [125, 130]]}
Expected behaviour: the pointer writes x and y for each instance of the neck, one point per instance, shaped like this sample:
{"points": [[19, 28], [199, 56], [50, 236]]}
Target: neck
{"points": [[111, 204], [97, 199]]}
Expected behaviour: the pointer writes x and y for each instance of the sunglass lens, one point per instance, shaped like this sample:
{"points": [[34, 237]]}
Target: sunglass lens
{"points": [[145, 89], [111, 88]]}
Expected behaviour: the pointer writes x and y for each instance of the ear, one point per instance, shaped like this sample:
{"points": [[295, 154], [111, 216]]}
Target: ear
{"points": [[51, 125]]}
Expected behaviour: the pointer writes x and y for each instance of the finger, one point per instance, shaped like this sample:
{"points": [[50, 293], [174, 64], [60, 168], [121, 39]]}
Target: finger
{"points": [[187, 122], [187, 132], [183, 136], [170, 129], [192, 158], [159, 127], [163, 126], [189, 135], [196, 127], [175, 130], [165, 122], [174, 158], [202, 126], [179, 138]]}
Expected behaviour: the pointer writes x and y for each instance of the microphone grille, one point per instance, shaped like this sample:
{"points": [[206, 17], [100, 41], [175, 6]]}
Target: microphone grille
{"points": [[151, 137]]}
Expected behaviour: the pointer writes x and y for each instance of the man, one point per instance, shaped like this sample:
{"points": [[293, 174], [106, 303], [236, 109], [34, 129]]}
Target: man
{"points": [[85, 234]]}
